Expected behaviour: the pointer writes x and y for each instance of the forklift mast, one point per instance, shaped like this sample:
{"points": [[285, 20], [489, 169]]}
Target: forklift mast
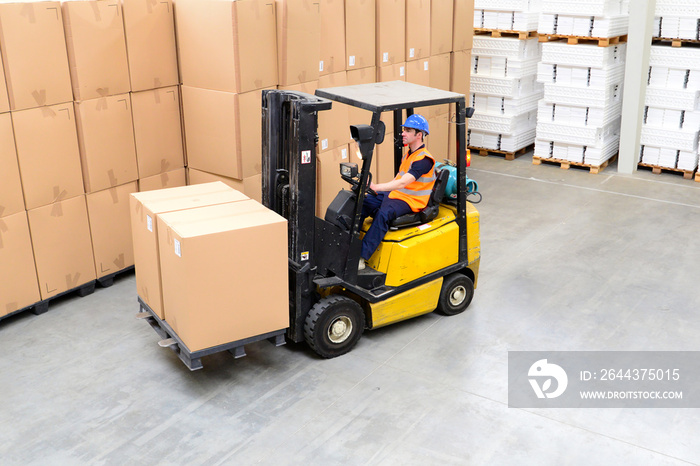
{"points": [[289, 138]]}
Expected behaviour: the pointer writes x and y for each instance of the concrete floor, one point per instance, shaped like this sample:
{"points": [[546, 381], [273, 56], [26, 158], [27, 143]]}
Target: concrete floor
{"points": [[570, 261]]}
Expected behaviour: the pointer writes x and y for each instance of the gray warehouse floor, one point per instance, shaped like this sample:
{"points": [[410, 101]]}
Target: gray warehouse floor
{"points": [[570, 261]]}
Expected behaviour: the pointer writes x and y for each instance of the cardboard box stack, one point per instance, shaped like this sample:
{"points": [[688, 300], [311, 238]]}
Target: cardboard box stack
{"points": [[579, 118], [228, 55], [677, 19], [504, 87], [200, 253], [46, 221], [672, 114]]}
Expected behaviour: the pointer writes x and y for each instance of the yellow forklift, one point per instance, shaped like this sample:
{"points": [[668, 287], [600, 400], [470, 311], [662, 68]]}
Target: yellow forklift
{"points": [[427, 261]]}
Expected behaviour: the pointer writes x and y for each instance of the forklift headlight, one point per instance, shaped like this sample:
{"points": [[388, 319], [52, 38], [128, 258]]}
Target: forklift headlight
{"points": [[348, 170]]}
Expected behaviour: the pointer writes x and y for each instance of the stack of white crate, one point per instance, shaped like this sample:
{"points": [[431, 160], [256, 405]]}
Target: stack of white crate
{"points": [[672, 114], [504, 88], [579, 118], [677, 19]]}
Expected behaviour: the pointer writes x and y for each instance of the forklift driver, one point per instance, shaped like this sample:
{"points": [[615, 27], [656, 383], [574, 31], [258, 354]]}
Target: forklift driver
{"points": [[408, 192]]}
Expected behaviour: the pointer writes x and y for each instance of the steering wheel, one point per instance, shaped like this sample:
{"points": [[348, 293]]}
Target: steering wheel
{"points": [[356, 184]]}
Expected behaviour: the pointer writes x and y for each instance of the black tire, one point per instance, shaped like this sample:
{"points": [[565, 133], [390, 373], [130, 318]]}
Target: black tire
{"points": [[456, 294], [334, 325]]}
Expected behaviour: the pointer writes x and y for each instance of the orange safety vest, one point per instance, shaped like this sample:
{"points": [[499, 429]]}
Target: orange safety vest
{"points": [[416, 194]]}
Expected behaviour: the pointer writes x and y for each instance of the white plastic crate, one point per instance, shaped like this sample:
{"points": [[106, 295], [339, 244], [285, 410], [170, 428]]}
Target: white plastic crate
{"points": [[501, 67], [505, 106], [663, 137], [676, 99], [673, 78], [582, 96], [672, 119], [577, 116], [507, 5], [576, 152], [503, 124], [503, 142], [508, 47], [571, 134], [595, 78], [583, 7], [685, 58], [673, 27], [583, 55], [583, 26], [680, 8], [506, 20], [504, 87], [687, 160]]}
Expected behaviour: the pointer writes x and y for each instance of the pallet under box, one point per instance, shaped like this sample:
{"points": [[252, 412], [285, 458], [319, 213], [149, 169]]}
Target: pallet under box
{"points": [[192, 359]]}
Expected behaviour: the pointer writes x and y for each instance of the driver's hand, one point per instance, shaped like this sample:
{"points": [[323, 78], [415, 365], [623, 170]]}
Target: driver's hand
{"points": [[373, 186]]}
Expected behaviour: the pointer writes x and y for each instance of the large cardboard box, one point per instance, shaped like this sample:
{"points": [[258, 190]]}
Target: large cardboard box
{"points": [[18, 283], [144, 208], [438, 141], [250, 186], [360, 33], [417, 29], [227, 45], [223, 131], [328, 180], [460, 72], [106, 137], [391, 32], [110, 228], [441, 12], [157, 131], [225, 272], [418, 72], [48, 155], [384, 154], [4, 100], [333, 124], [171, 179], [96, 48], [149, 27], [61, 239], [395, 72], [332, 37], [11, 198], [440, 78], [298, 41], [34, 55], [462, 19]]}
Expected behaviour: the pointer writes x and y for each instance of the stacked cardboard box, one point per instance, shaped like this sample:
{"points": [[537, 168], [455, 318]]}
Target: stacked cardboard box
{"points": [[579, 118], [672, 114], [677, 19], [228, 55], [45, 149], [194, 247]]}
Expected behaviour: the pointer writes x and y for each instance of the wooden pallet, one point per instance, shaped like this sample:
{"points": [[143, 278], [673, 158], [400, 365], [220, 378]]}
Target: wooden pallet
{"points": [[522, 35], [697, 177], [508, 155], [566, 164], [573, 40], [657, 170], [676, 42]]}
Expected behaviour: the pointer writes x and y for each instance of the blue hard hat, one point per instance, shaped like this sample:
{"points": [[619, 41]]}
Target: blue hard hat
{"points": [[418, 122]]}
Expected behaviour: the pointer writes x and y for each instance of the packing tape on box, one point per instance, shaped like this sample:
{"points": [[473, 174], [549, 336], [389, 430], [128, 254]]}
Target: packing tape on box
{"points": [[150, 4], [112, 179], [39, 97], [28, 12], [156, 84], [164, 179], [115, 195], [164, 165], [58, 197], [72, 281], [96, 11], [3, 229], [120, 261], [101, 102]]}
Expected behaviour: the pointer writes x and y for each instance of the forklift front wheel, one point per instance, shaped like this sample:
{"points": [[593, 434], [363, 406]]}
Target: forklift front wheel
{"points": [[334, 325], [456, 294]]}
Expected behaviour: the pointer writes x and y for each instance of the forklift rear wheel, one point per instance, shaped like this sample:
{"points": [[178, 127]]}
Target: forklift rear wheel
{"points": [[334, 325], [456, 294]]}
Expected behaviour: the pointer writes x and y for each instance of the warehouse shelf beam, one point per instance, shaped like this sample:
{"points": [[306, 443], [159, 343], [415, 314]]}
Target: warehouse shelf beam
{"points": [[641, 23]]}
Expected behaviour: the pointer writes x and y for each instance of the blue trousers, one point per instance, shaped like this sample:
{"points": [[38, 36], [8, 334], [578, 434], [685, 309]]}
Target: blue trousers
{"points": [[383, 210]]}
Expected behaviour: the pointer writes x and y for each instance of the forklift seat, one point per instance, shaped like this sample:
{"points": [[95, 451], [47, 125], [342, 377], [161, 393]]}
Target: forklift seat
{"points": [[430, 211]]}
